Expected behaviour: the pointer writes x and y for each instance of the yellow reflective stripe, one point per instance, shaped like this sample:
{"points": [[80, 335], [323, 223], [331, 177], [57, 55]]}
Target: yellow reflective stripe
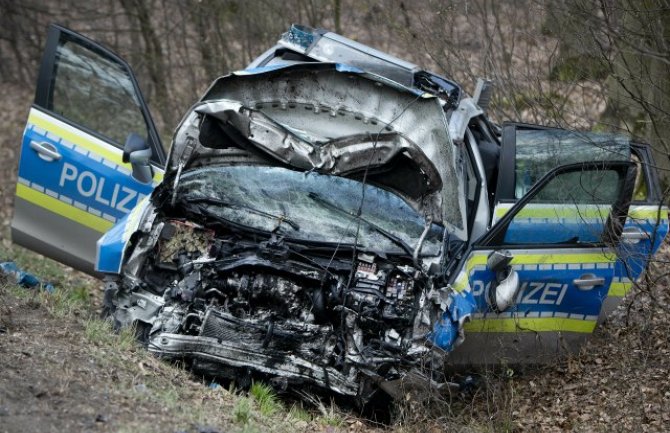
{"points": [[475, 260], [502, 209], [63, 209], [637, 212], [80, 138], [542, 324], [564, 211], [547, 258], [533, 259], [647, 212], [461, 283], [620, 288]]}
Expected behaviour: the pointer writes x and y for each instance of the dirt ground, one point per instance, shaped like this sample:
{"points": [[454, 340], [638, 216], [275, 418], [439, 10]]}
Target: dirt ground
{"points": [[62, 370], [52, 380]]}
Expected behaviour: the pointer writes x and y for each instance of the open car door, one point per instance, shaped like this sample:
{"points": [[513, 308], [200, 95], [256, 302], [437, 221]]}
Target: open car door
{"points": [[558, 246], [74, 180], [531, 151]]}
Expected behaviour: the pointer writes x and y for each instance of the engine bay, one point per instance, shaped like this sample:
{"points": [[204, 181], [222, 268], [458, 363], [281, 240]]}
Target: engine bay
{"points": [[342, 320]]}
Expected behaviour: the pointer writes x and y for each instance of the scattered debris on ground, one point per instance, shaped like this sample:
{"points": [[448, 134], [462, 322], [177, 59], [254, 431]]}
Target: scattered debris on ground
{"points": [[12, 274]]}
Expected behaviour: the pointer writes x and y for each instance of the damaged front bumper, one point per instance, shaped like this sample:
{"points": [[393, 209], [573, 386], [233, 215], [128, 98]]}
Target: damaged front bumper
{"points": [[272, 350]]}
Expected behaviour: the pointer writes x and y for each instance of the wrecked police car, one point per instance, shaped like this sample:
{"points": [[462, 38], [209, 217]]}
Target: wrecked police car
{"points": [[332, 217]]}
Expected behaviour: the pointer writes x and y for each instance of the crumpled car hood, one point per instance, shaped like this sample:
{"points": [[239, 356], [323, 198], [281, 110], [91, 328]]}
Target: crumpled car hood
{"points": [[332, 119]]}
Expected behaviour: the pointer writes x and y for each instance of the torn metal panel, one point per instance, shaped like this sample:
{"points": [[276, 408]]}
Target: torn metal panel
{"points": [[304, 44], [250, 354], [448, 330], [347, 156], [331, 47], [461, 117], [314, 116]]}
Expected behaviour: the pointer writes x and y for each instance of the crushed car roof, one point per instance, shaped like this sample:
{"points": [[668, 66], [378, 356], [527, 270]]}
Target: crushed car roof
{"points": [[301, 43]]}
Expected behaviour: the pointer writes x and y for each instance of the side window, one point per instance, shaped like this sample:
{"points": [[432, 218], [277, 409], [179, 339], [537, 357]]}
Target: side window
{"points": [[96, 92], [573, 207], [540, 150]]}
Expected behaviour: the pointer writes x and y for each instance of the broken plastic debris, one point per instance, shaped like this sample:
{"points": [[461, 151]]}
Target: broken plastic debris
{"points": [[299, 35], [24, 279], [447, 331]]}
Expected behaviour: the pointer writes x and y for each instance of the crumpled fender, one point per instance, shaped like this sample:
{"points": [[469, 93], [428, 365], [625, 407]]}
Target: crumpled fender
{"points": [[448, 330], [112, 245]]}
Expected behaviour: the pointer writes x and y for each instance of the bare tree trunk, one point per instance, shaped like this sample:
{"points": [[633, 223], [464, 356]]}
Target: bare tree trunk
{"points": [[138, 11], [337, 12]]}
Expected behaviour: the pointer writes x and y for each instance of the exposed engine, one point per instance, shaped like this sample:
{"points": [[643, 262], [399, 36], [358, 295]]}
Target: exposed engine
{"points": [[340, 320]]}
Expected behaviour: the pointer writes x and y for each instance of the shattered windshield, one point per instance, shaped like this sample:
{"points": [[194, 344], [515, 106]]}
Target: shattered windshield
{"points": [[309, 206]]}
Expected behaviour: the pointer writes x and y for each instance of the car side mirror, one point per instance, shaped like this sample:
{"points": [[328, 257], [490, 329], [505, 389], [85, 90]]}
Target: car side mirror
{"points": [[137, 152], [505, 287]]}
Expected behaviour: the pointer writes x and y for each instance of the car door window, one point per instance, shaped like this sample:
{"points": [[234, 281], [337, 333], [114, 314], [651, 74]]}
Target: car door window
{"points": [[538, 151], [572, 208], [95, 92]]}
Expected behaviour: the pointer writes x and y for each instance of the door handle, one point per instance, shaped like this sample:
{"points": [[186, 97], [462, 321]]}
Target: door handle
{"points": [[45, 151], [588, 281], [633, 235]]}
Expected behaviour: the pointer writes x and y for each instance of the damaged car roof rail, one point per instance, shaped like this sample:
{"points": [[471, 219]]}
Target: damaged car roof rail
{"points": [[305, 44]]}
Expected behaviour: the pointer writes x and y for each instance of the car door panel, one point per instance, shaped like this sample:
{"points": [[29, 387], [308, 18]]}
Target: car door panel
{"points": [[551, 315], [72, 184], [645, 229], [563, 281]]}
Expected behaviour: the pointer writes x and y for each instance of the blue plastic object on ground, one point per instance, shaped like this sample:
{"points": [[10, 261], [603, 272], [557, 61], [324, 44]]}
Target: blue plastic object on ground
{"points": [[24, 279]]}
